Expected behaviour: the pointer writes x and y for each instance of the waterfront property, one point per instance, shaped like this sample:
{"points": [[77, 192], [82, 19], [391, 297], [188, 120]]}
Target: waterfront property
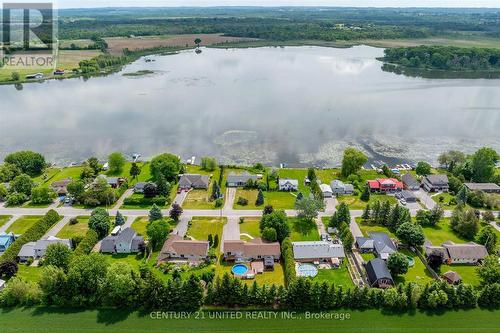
{"points": [[194, 181], [435, 183], [340, 188], [409, 182], [61, 186], [378, 274], [36, 250], [385, 185], [452, 253], [178, 249], [126, 241]]}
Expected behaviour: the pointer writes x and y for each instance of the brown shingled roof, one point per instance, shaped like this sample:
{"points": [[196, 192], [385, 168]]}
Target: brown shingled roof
{"points": [[179, 245]]}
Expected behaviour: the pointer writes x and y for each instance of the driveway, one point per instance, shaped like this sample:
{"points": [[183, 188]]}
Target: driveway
{"points": [[355, 230], [59, 225], [231, 230], [182, 227], [125, 195], [229, 200], [9, 223], [425, 198], [330, 204], [180, 197]]}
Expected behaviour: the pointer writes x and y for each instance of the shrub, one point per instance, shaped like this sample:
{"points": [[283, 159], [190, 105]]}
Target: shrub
{"points": [[34, 233], [159, 201], [242, 201], [288, 261], [219, 202], [87, 243], [269, 234], [73, 221]]}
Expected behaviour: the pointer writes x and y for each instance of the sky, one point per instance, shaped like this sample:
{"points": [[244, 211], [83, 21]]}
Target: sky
{"points": [[333, 3]]}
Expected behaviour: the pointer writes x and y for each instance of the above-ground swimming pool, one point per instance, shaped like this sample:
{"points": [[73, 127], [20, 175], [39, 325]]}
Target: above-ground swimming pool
{"points": [[307, 270], [411, 261], [239, 269]]}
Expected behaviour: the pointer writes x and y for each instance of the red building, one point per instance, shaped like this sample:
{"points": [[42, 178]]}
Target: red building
{"points": [[385, 185]]}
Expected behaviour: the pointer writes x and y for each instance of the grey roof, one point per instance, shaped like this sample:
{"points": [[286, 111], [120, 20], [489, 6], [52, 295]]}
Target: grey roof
{"points": [[437, 180], [241, 178], [193, 180], [44, 242], [382, 243], [483, 187], [140, 185], [377, 269], [317, 249], [469, 250], [408, 195], [127, 235], [27, 250], [293, 182], [409, 180], [364, 242]]}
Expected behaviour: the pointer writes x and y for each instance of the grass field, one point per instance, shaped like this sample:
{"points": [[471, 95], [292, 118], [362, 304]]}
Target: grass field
{"points": [[371, 227], [302, 230], [29, 273], [200, 199], [54, 320], [74, 230], [339, 276], [300, 175], [23, 223], [418, 273], [140, 224], [250, 226], [4, 219], [279, 200], [201, 227], [267, 278], [442, 232], [468, 273]]}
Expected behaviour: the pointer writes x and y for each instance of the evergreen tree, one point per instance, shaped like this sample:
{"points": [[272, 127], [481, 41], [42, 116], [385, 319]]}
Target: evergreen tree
{"points": [[176, 212], [155, 213], [162, 185], [365, 196], [216, 191], [119, 220], [260, 198], [216, 241], [462, 195], [135, 171], [366, 213], [210, 240]]}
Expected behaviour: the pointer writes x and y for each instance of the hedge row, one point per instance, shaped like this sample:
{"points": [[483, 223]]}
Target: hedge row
{"points": [[87, 244], [34, 233], [159, 201], [288, 260]]}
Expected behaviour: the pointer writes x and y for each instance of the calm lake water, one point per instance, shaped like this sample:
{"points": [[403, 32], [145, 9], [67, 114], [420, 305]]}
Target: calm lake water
{"points": [[294, 105]]}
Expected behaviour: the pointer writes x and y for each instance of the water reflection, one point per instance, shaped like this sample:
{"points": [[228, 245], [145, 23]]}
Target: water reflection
{"points": [[294, 105]]}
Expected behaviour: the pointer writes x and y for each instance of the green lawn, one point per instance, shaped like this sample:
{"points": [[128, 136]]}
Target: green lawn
{"points": [[372, 227], [367, 256], [55, 174], [133, 259], [302, 230], [418, 273], [140, 224], [354, 202], [445, 202], [23, 223], [29, 273], [468, 273], [299, 174], [339, 276], [75, 230], [279, 200], [267, 278], [250, 226], [144, 176], [125, 321], [200, 199], [441, 233], [4, 219], [201, 227]]}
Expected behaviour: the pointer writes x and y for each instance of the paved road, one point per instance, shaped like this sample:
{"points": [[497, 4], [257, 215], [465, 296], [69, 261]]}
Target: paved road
{"points": [[58, 226], [9, 223], [495, 225]]}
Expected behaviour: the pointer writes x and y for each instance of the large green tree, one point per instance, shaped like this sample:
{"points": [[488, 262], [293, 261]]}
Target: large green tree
{"points": [[99, 222], [116, 162], [166, 164], [58, 255], [22, 184], [278, 221], [27, 161], [483, 165], [352, 161], [411, 234], [397, 263], [308, 208], [157, 232]]}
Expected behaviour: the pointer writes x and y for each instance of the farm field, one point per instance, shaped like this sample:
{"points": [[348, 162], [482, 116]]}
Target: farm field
{"points": [[23, 223], [123, 321], [117, 44]]}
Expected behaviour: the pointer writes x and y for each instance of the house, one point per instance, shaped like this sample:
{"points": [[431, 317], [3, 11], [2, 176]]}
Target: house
{"points": [[234, 180], [177, 248], [318, 251], [378, 274], [407, 196], [467, 253], [6, 240], [126, 241], [61, 187], [37, 249], [385, 185], [435, 183], [139, 187], [452, 277], [193, 181], [2, 284], [378, 243], [485, 187], [339, 188], [255, 249], [326, 190], [288, 185], [409, 182], [114, 182]]}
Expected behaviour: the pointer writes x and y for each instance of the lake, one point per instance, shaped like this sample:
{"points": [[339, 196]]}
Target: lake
{"points": [[294, 105]]}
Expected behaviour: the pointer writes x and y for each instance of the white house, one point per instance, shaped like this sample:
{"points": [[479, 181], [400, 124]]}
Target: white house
{"points": [[340, 188], [326, 190], [288, 184]]}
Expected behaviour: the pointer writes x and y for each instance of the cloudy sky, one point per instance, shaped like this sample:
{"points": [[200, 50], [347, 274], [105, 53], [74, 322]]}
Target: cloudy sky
{"points": [[351, 3]]}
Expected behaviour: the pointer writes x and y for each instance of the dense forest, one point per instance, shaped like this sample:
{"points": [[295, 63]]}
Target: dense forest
{"points": [[444, 58], [286, 23]]}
